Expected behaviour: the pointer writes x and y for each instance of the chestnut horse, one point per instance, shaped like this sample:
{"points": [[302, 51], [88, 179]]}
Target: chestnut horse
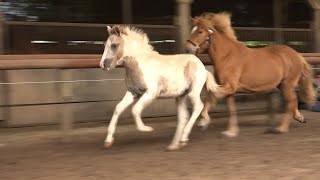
{"points": [[249, 70]]}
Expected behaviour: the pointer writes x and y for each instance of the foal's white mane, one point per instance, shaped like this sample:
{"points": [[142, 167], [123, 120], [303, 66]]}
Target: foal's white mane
{"points": [[136, 43]]}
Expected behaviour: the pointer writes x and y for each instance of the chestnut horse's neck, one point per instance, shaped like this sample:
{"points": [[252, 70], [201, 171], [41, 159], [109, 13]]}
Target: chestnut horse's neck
{"points": [[222, 46]]}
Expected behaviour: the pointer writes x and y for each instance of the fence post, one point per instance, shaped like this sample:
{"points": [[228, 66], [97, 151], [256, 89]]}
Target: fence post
{"points": [[277, 21], [66, 90], [2, 33], [126, 11], [4, 99], [183, 21], [315, 4]]}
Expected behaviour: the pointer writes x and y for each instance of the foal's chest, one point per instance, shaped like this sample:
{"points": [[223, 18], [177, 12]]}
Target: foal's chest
{"points": [[134, 77]]}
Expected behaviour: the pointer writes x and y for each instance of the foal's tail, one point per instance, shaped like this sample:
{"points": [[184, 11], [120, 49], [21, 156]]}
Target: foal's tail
{"points": [[211, 83], [307, 93]]}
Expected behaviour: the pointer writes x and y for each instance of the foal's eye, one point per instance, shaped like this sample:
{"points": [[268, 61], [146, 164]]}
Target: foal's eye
{"points": [[200, 32], [113, 46]]}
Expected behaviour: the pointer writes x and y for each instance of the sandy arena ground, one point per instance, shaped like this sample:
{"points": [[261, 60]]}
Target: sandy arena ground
{"points": [[38, 153]]}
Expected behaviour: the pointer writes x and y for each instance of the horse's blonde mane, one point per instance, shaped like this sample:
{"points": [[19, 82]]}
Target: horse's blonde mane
{"points": [[136, 42], [219, 21]]}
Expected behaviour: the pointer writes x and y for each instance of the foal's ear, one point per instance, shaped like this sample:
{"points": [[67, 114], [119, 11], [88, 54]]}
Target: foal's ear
{"points": [[109, 29], [118, 30]]}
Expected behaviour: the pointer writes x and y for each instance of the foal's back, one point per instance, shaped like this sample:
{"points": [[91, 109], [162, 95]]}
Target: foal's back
{"points": [[172, 74]]}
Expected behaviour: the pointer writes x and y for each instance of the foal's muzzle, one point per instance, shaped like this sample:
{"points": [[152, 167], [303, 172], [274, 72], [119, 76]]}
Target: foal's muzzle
{"points": [[107, 63]]}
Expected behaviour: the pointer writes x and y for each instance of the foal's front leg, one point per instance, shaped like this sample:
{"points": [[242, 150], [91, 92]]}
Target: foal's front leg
{"points": [[144, 100], [127, 100]]}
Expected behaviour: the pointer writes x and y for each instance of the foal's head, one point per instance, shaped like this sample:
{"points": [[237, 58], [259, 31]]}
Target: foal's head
{"points": [[113, 50]]}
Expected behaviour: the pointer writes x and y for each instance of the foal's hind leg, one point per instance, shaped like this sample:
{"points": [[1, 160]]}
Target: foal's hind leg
{"points": [[204, 116], [183, 116], [197, 107], [137, 108]]}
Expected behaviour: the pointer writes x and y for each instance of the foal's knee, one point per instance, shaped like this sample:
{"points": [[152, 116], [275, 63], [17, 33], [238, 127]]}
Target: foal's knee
{"points": [[137, 109]]}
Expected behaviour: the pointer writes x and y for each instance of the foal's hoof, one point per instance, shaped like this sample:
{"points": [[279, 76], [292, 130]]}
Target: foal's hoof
{"points": [[300, 119], [108, 144], [230, 133], [145, 129], [173, 147]]}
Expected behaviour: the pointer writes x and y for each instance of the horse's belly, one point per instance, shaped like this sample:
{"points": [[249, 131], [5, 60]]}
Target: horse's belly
{"points": [[258, 86], [260, 79]]}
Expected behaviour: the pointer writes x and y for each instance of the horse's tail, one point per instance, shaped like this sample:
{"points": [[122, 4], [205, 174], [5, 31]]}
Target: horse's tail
{"points": [[307, 93], [211, 83]]}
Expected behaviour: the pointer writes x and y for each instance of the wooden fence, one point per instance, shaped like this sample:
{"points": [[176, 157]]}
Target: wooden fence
{"points": [[81, 38]]}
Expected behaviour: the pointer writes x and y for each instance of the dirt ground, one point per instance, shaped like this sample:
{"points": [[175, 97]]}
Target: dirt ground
{"points": [[38, 153]]}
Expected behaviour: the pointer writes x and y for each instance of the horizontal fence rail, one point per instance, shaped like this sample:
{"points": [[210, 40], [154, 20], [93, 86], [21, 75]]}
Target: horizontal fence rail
{"points": [[86, 38], [76, 38], [76, 61]]}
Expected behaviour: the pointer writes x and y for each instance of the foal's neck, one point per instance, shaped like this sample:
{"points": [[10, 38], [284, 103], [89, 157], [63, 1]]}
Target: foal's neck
{"points": [[134, 76]]}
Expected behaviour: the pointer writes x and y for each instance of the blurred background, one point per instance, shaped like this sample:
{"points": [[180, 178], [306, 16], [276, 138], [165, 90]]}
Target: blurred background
{"points": [[62, 26]]}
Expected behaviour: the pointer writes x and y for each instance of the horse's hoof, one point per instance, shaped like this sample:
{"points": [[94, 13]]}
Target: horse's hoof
{"points": [[274, 131], [230, 133], [203, 125], [173, 147], [145, 129], [108, 144], [300, 119]]}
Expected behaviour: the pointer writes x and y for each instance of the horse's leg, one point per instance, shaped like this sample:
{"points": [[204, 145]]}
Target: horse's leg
{"points": [[204, 116], [197, 107], [127, 100], [183, 116], [137, 108], [232, 129], [292, 103], [298, 116]]}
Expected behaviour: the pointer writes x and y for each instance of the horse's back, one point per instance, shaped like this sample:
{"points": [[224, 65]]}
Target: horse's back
{"points": [[280, 56], [267, 67]]}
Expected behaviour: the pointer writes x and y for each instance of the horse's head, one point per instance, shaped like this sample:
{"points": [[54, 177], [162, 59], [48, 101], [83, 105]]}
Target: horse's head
{"points": [[205, 28], [200, 36], [113, 50]]}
